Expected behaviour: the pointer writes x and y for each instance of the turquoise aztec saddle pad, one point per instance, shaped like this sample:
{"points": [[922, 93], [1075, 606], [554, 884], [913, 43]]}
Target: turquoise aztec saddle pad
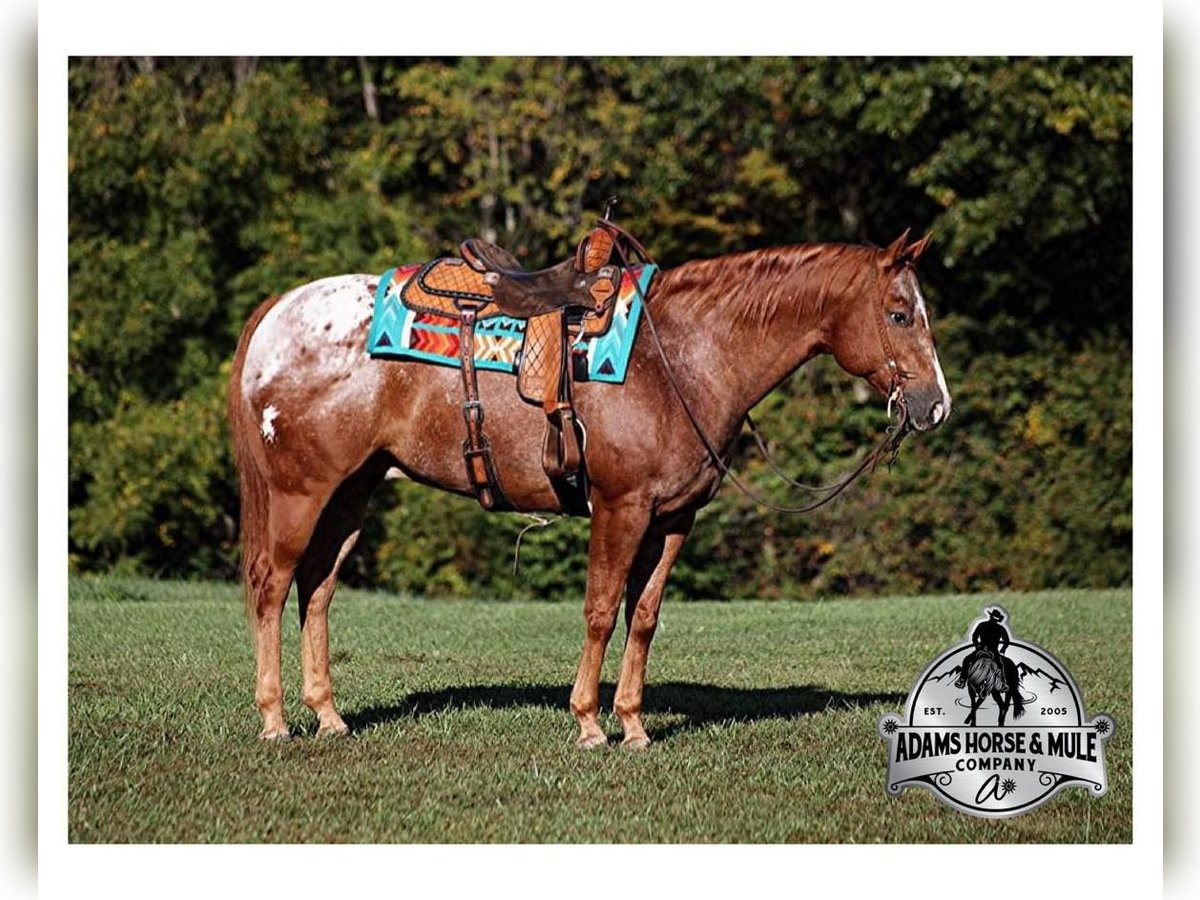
{"points": [[398, 332]]}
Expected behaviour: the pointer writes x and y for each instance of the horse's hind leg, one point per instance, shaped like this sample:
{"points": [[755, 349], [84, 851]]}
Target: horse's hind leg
{"points": [[291, 519], [336, 534], [643, 598], [975, 701], [1002, 702]]}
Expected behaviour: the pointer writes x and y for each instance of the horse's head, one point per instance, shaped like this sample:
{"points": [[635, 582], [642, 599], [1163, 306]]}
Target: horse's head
{"points": [[882, 334]]}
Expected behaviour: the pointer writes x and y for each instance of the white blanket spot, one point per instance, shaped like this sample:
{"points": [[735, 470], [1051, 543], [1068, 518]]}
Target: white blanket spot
{"points": [[270, 413], [320, 316]]}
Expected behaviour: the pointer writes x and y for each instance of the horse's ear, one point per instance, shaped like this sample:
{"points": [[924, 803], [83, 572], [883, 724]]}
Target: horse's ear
{"points": [[913, 253], [894, 250]]}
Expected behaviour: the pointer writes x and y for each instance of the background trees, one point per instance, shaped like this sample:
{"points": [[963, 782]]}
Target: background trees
{"points": [[197, 187]]}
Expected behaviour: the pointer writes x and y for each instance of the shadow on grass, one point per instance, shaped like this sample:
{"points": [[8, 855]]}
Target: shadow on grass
{"points": [[698, 704]]}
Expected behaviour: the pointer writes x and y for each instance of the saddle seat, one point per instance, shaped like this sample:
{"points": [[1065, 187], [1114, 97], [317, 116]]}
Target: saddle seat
{"points": [[584, 280]]}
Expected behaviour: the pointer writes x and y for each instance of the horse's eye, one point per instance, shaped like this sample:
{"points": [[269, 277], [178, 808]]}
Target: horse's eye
{"points": [[900, 318]]}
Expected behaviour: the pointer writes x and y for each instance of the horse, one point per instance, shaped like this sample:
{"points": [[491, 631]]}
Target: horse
{"points": [[986, 675], [317, 425]]}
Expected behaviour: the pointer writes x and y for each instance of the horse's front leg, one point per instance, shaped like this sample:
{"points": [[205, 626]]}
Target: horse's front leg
{"points": [[617, 530], [643, 598]]}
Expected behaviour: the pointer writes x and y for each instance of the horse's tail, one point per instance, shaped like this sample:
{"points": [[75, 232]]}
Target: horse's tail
{"points": [[254, 494], [1015, 693]]}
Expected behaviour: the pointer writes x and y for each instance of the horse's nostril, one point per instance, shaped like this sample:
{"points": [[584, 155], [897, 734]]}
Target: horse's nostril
{"points": [[935, 414]]}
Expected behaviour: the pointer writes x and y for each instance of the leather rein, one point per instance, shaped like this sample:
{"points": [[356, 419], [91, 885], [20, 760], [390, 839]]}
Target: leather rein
{"points": [[887, 448]]}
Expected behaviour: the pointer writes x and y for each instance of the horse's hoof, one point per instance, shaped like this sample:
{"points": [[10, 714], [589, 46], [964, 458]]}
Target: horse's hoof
{"points": [[275, 735], [636, 742], [591, 741], [336, 730]]}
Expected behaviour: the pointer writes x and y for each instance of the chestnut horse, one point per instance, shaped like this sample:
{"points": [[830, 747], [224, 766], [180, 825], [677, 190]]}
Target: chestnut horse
{"points": [[317, 424]]}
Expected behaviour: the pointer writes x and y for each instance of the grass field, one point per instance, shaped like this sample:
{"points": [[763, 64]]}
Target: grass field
{"points": [[763, 716]]}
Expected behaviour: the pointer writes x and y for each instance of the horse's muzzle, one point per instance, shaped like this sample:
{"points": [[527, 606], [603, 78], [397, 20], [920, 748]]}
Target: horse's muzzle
{"points": [[927, 409]]}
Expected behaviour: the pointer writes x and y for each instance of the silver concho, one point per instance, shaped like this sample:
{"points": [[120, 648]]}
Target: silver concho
{"points": [[995, 727]]}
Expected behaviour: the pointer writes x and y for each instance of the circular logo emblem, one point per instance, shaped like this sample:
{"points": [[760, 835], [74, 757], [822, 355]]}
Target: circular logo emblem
{"points": [[995, 727]]}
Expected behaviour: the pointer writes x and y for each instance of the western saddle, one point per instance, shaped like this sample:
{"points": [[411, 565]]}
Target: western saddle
{"points": [[561, 303]]}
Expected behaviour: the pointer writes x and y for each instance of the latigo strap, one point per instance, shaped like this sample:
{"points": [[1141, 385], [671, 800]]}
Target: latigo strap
{"points": [[477, 451]]}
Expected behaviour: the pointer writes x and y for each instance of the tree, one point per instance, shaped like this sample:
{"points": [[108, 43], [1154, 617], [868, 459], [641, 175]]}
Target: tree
{"points": [[198, 187]]}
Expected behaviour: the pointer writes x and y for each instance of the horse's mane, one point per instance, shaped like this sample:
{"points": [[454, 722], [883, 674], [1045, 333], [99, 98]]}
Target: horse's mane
{"points": [[756, 285]]}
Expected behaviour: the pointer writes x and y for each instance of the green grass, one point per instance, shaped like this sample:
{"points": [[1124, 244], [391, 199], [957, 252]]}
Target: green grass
{"points": [[763, 716]]}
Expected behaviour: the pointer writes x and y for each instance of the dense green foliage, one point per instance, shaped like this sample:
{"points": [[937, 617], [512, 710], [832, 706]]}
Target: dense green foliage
{"points": [[199, 187], [462, 731]]}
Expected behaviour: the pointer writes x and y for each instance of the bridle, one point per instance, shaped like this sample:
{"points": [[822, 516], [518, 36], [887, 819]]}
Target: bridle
{"points": [[887, 449], [897, 375]]}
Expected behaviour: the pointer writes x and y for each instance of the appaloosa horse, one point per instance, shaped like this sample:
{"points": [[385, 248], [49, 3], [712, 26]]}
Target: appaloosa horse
{"points": [[317, 424]]}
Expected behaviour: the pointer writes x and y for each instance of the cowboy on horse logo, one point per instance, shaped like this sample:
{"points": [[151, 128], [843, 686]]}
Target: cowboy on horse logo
{"points": [[986, 670], [982, 763]]}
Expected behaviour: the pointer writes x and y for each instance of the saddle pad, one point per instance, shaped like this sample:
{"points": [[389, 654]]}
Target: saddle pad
{"points": [[398, 332]]}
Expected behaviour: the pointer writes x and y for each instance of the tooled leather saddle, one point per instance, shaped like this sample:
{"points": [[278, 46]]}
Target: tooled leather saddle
{"points": [[561, 303]]}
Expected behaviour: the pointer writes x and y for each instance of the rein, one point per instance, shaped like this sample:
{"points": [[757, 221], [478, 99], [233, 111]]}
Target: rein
{"points": [[888, 447]]}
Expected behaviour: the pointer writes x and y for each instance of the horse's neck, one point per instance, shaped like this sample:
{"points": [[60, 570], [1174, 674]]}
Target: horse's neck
{"points": [[728, 348]]}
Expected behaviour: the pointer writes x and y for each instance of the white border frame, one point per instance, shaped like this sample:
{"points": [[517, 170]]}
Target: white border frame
{"points": [[218, 26]]}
